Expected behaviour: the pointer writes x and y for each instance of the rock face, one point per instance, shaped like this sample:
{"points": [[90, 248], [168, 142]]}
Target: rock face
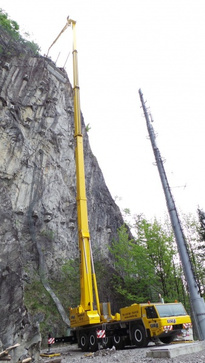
{"points": [[38, 225]]}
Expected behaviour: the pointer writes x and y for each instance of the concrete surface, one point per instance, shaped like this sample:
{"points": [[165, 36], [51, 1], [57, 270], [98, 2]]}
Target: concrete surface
{"points": [[173, 350]]}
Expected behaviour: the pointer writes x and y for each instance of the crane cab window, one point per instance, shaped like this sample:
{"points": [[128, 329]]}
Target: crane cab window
{"points": [[151, 312]]}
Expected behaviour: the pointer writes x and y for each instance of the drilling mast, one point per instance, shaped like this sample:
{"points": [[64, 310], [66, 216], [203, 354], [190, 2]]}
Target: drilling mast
{"points": [[197, 302]]}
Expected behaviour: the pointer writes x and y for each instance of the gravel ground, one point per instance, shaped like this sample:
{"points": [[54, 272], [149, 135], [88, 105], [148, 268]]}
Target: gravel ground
{"points": [[131, 355]]}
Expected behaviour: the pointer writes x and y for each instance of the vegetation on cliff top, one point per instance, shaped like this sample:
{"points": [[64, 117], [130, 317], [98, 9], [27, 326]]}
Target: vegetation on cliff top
{"points": [[12, 28]]}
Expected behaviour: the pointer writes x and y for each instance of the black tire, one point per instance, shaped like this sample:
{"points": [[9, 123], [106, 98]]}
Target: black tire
{"points": [[93, 342], [84, 342], [107, 342], [167, 340], [138, 336], [118, 341]]}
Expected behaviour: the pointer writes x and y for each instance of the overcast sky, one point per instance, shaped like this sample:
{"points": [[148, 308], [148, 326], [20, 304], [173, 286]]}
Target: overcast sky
{"points": [[157, 46]]}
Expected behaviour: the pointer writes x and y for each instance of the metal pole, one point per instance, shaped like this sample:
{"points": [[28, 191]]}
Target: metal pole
{"points": [[197, 302]]}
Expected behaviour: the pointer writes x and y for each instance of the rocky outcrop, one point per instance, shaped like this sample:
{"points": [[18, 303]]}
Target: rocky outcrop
{"points": [[38, 226]]}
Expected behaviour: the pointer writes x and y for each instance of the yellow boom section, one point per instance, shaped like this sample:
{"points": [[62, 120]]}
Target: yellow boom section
{"points": [[83, 230], [84, 314], [87, 274]]}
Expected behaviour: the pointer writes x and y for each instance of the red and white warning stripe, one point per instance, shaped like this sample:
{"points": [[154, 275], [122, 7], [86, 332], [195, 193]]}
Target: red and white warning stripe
{"points": [[51, 340], [168, 327], [100, 334], [187, 325]]}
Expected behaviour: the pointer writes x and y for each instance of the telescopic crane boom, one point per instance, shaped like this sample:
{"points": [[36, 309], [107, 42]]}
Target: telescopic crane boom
{"points": [[197, 302], [85, 313], [87, 274]]}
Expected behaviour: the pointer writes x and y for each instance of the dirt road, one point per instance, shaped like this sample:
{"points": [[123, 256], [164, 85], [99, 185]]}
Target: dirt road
{"points": [[132, 355]]}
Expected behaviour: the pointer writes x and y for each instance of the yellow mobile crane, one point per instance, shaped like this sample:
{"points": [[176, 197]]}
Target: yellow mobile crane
{"points": [[84, 314], [134, 325]]}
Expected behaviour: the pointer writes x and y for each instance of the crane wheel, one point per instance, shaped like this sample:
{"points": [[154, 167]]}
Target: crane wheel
{"points": [[84, 342], [93, 343], [118, 341], [138, 335], [107, 342]]}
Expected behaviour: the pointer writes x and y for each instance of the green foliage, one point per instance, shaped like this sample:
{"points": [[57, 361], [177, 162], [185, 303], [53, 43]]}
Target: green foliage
{"points": [[71, 277], [146, 264], [104, 274], [9, 25], [33, 46], [38, 298], [67, 288], [12, 28], [42, 308], [88, 127], [40, 304], [160, 251], [195, 233], [201, 228], [133, 268]]}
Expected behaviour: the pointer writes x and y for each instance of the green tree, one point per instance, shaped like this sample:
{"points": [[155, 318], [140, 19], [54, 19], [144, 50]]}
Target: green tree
{"points": [[121, 251], [195, 233], [147, 264], [9, 25], [201, 228], [160, 247], [71, 275]]}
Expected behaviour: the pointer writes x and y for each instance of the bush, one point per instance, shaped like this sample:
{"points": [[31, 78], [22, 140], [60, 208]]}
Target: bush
{"points": [[9, 25], [12, 28]]}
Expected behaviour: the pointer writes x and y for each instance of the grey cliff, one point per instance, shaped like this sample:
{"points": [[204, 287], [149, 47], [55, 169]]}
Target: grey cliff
{"points": [[38, 189]]}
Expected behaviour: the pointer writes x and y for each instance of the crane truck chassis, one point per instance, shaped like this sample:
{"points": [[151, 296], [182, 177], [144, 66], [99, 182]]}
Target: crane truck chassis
{"points": [[91, 322], [136, 325]]}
